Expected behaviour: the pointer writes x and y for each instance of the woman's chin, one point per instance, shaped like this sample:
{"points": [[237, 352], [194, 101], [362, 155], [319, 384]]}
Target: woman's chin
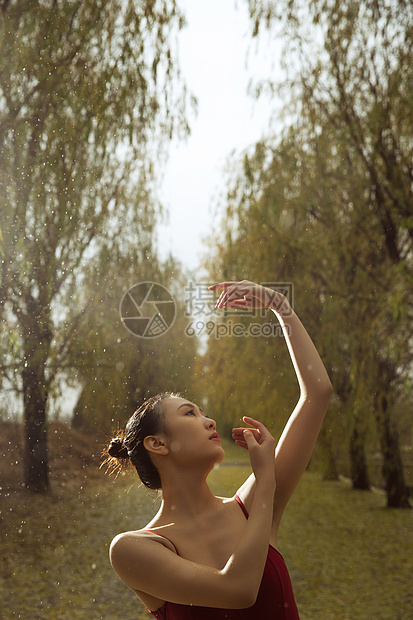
{"points": [[220, 457]]}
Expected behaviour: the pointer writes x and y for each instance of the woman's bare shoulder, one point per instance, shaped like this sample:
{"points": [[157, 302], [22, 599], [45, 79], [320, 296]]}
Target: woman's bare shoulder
{"points": [[129, 549], [125, 542]]}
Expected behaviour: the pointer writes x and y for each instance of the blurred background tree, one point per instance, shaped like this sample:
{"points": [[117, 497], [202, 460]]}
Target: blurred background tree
{"points": [[327, 204], [90, 95]]}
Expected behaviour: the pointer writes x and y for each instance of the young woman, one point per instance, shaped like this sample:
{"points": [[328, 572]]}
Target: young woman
{"points": [[204, 557]]}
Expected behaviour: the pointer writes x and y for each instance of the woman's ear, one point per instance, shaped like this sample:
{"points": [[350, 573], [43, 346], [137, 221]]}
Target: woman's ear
{"points": [[155, 445]]}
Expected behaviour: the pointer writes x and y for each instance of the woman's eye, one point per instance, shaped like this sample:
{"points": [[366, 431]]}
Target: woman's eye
{"points": [[191, 412]]}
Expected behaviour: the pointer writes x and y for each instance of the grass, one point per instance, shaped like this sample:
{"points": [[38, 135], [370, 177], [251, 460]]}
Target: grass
{"points": [[348, 556]]}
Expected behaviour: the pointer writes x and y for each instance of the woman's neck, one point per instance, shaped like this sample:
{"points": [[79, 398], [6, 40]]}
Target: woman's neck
{"points": [[186, 496]]}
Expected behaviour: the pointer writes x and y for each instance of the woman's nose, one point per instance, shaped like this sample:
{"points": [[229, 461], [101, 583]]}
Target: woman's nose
{"points": [[211, 423]]}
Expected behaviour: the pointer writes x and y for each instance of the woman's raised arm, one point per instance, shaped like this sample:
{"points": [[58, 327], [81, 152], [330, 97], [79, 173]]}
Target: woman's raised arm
{"points": [[297, 441]]}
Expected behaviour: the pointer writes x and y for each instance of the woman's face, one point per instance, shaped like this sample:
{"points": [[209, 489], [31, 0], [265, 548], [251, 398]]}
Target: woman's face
{"points": [[191, 435]]}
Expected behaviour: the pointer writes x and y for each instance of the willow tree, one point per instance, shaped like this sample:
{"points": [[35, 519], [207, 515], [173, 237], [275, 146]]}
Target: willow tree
{"points": [[293, 215], [348, 67], [89, 95]]}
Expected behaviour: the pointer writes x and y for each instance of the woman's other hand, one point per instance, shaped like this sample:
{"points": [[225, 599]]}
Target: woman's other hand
{"points": [[260, 445]]}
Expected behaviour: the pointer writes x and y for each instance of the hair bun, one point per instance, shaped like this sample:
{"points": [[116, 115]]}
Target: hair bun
{"points": [[118, 449]]}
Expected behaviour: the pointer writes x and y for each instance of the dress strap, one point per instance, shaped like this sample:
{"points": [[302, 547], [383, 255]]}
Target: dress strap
{"points": [[162, 536], [244, 510]]}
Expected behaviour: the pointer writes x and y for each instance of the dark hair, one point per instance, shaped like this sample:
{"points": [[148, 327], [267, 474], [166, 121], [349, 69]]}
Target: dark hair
{"points": [[127, 445]]}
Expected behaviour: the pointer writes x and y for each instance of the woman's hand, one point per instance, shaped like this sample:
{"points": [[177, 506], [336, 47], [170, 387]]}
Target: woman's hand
{"points": [[260, 445], [246, 294]]}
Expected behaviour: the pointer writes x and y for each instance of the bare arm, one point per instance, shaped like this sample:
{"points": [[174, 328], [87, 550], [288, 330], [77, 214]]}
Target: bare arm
{"points": [[297, 441], [149, 567]]}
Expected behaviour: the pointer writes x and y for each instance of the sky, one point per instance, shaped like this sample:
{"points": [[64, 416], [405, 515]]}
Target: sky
{"points": [[218, 59]]}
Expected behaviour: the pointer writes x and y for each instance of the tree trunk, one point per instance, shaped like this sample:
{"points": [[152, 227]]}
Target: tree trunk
{"points": [[328, 463], [37, 337], [358, 461], [393, 473], [36, 467]]}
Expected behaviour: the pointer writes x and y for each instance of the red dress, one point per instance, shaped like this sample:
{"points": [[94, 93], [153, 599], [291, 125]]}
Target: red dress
{"points": [[275, 600]]}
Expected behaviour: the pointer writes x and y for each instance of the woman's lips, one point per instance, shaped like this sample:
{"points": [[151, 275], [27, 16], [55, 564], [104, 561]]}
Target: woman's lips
{"points": [[215, 436]]}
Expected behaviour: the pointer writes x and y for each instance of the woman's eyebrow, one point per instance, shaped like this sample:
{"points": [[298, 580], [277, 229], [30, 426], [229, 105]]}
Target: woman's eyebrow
{"points": [[191, 405]]}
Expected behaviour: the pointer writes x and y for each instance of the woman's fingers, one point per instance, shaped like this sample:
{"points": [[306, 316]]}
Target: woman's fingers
{"points": [[227, 296], [222, 300], [252, 421], [234, 294], [242, 444], [229, 299], [256, 424], [249, 440], [259, 432], [260, 445], [246, 294], [217, 287], [238, 434]]}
